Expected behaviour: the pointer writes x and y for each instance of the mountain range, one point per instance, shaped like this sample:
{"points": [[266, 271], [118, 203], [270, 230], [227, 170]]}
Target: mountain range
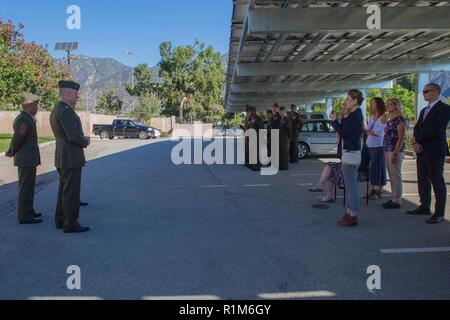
{"points": [[96, 75], [99, 74]]}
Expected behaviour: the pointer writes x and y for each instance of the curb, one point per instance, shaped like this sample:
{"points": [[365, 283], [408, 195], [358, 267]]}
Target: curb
{"points": [[45, 144]]}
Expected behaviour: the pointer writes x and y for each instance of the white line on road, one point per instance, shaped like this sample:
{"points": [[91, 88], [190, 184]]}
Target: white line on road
{"points": [[317, 174], [215, 186], [389, 196], [297, 295], [415, 250], [306, 184], [257, 185], [195, 298], [415, 172], [64, 298]]}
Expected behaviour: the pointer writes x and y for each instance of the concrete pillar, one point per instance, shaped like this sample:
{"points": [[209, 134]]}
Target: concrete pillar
{"points": [[364, 104], [309, 107], [422, 80]]}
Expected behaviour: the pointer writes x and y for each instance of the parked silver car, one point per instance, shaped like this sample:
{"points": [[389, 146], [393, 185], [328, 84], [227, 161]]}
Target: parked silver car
{"points": [[314, 116], [317, 137]]}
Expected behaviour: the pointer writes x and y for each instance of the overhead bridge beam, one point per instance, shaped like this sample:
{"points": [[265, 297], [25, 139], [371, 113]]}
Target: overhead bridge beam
{"points": [[341, 67], [303, 96], [349, 19], [307, 86], [267, 104]]}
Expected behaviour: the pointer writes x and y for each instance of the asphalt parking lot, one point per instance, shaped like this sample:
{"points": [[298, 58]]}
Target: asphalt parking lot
{"points": [[213, 232]]}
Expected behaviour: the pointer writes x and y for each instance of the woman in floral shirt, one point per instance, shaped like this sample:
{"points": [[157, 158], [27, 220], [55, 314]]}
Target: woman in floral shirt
{"points": [[394, 147]]}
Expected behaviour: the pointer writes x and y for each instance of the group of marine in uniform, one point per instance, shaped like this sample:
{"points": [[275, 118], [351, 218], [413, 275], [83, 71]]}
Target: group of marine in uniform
{"points": [[288, 125], [69, 157]]}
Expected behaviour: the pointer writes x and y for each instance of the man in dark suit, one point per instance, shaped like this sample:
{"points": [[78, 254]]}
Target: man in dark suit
{"points": [[430, 144], [256, 124], [25, 150], [69, 157], [245, 127]]}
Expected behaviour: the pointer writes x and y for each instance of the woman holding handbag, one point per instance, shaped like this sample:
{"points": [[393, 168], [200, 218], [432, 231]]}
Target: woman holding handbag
{"points": [[351, 131], [375, 139]]}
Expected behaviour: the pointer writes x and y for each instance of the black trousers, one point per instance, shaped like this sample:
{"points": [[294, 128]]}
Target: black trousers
{"points": [[430, 172], [68, 206], [294, 149], [27, 182], [284, 153]]}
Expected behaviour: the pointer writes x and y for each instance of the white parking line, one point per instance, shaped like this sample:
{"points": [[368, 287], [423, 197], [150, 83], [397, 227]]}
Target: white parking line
{"points": [[306, 184], [317, 174], [257, 185], [297, 295], [388, 196], [415, 250], [215, 186], [168, 298], [73, 298], [415, 172]]}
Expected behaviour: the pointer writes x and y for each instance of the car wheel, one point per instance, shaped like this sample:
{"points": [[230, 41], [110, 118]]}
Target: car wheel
{"points": [[143, 135], [104, 135], [303, 150]]}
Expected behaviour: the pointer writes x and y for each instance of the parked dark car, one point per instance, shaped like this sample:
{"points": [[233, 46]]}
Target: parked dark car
{"points": [[125, 129]]}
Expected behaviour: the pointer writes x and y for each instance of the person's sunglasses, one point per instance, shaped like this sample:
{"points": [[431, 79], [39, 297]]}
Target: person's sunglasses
{"points": [[427, 91]]}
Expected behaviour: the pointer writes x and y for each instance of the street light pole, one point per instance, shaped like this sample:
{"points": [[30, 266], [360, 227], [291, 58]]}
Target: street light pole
{"points": [[131, 53]]}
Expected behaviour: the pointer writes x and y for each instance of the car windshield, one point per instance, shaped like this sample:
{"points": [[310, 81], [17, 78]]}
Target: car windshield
{"points": [[318, 126]]}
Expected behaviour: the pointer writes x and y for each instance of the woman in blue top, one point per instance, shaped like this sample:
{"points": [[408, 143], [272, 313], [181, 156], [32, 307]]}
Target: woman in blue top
{"points": [[351, 130]]}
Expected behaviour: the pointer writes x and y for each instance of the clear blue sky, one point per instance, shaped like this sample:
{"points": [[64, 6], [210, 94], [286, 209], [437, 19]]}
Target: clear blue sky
{"points": [[110, 27]]}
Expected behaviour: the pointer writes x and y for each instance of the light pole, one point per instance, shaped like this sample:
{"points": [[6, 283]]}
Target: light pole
{"points": [[131, 53]]}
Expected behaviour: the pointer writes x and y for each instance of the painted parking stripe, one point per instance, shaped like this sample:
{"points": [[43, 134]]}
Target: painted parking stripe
{"points": [[317, 174], [215, 186], [257, 185], [297, 295], [416, 250], [389, 196], [56, 298], [195, 298], [305, 184]]}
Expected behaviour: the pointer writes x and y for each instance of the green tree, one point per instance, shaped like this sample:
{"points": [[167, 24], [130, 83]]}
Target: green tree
{"points": [[144, 82], [233, 120], [318, 107], [193, 80], [149, 106], [408, 82], [110, 102], [26, 67], [407, 98]]}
